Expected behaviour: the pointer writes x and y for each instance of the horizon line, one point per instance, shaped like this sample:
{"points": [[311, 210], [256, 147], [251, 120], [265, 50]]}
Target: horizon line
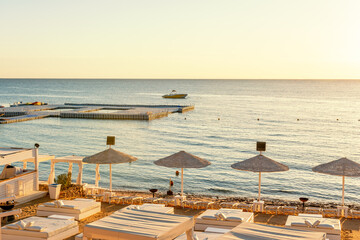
{"points": [[92, 78]]}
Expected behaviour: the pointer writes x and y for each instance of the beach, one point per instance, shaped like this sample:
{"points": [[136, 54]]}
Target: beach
{"points": [[350, 227]]}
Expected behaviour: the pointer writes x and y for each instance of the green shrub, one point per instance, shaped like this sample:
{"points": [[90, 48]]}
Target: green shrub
{"points": [[64, 179]]}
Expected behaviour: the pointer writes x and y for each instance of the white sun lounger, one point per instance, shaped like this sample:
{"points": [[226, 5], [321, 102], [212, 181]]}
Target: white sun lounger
{"points": [[151, 207], [139, 225], [233, 217], [252, 231], [79, 208], [201, 236], [51, 229], [330, 226]]}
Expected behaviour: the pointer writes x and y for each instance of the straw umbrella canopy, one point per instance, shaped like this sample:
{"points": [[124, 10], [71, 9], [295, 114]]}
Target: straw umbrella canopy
{"points": [[182, 160], [341, 167], [109, 156], [260, 164]]}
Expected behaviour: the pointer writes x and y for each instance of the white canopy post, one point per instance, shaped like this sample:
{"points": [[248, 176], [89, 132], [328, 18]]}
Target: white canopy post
{"points": [[343, 191], [259, 186], [52, 172], [182, 181], [70, 167], [79, 178]]}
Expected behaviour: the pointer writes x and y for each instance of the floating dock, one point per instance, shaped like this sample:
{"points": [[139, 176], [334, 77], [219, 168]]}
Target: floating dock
{"points": [[90, 111]]}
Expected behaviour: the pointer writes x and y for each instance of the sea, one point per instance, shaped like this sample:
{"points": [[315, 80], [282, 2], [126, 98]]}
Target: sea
{"points": [[303, 122]]}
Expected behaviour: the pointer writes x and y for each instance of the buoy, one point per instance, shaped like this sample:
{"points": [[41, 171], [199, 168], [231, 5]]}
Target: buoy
{"points": [[218, 118], [258, 119], [298, 119]]}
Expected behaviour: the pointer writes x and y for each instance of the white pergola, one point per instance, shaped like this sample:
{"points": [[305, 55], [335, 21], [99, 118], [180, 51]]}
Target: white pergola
{"points": [[41, 158], [71, 160]]}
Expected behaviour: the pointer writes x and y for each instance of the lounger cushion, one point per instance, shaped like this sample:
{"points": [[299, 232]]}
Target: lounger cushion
{"points": [[308, 223], [35, 229], [29, 224], [234, 219], [49, 204], [59, 203], [326, 226], [53, 227], [222, 216], [68, 206], [79, 206], [12, 226], [316, 223], [21, 224], [298, 224], [209, 217]]}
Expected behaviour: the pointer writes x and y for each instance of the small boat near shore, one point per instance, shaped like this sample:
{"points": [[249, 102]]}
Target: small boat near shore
{"points": [[174, 94], [17, 104]]}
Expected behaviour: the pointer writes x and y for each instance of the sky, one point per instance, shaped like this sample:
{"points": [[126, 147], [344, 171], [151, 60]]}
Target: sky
{"points": [[206, 39]]}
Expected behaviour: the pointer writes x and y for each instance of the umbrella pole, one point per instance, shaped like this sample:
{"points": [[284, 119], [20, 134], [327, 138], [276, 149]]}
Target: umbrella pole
{"points": [[259, 186], [97, 173], [182, 181], [110, 179], [343, 190]]}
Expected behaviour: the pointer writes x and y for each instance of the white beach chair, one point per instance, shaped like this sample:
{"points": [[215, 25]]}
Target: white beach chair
{"points": [[204, 205], [313, 210], [201, 236], [289, 210], [150, 207], [229, 204], [229, 218], [354, 213], [330, 226], [245, 207], [38, 228], [151, 200], [329, 212], [79, 208], [269, 209]]}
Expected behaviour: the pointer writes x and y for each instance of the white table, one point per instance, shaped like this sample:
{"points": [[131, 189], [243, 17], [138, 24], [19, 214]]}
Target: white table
{"points": [[258, 206], [342, 211]]}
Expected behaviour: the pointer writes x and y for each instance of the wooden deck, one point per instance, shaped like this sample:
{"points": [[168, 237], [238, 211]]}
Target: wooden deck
{"points": [[90, 111]]}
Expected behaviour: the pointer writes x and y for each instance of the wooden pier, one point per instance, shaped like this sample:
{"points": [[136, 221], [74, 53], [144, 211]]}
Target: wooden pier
{"points": [[90, 111]]}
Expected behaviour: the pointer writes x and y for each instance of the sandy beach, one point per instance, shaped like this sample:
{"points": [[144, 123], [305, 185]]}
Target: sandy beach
{"points": [[350, 227]]}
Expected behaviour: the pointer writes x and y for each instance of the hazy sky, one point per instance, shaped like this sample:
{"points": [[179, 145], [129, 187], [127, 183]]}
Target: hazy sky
{"points": [[238, 39]]}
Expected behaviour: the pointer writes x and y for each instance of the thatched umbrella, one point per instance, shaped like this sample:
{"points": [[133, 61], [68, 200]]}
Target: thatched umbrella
{"points": [[182, 160], [341, 167], [109, 156], [260, 164]]}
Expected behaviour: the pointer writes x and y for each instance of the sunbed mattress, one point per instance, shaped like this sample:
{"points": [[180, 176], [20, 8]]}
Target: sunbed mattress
{"points": [[80, 206], [298, 222], [135, 224], [233, 217], [51, 227], [252, 231], [201, 235], [150, 207]]}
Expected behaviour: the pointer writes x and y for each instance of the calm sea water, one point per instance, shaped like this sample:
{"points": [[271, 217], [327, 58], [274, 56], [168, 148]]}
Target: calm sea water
{"points": [[305, 123]]}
